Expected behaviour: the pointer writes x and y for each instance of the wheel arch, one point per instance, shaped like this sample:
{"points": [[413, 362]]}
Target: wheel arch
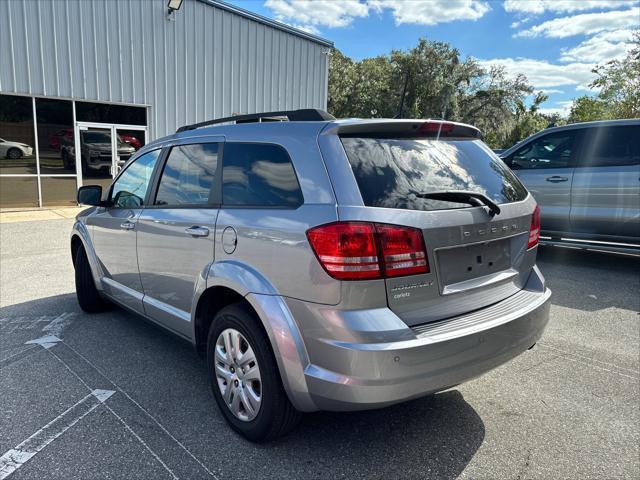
{"points": [[231, 282], [80, 237]]}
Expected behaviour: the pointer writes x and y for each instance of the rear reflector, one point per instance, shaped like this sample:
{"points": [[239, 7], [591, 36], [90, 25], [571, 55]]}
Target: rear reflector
{"points": [[534, 230], [360, 251]]}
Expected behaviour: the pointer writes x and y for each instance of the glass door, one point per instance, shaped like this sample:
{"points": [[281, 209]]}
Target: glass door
{"points": [[104, 149], [94, 148]]}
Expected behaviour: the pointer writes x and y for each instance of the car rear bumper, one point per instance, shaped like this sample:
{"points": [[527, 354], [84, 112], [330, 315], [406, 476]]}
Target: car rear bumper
{"points": [[375, 369]]}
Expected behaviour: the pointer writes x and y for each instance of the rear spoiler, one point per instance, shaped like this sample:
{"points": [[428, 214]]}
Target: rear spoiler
{"points": [[409, 129]]}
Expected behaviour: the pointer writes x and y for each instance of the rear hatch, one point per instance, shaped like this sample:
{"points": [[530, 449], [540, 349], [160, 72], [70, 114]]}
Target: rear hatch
{"points": [[476, 257]]}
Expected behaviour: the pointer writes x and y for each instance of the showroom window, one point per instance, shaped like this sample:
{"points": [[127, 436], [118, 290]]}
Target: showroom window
{"points": [[106, 113], [17, 139], [54, 120], [37, 148]]}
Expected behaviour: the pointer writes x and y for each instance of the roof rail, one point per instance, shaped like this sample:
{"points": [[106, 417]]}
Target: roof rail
{"points": [[302, 115]]}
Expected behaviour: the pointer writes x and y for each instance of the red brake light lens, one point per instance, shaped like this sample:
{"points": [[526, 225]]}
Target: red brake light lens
{"points": [[403, 251], [534, 231], [435, 127], [347, 250], [359, 251]]}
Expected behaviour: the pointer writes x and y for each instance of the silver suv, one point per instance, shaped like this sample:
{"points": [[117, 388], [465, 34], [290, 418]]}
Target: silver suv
{"points": [[586, 177], [320, 264]]}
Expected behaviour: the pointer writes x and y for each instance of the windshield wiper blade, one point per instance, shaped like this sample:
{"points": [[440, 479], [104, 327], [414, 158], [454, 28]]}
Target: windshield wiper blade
{"points": [[462, 196]]}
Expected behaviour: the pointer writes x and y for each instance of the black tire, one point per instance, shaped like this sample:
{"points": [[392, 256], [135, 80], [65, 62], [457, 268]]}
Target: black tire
{"points": [[14, 153], [88, 296], [277, 416]]}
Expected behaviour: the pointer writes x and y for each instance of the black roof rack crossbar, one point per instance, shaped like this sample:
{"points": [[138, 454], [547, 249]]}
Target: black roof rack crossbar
{"points": [[302, 115]]}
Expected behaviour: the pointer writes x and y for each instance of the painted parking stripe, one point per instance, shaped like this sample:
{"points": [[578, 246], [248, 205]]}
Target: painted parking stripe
{"points": [[14, 458], [146, 428], [47, 341]]}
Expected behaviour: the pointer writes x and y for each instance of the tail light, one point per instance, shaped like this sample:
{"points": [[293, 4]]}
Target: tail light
{"points": [[360, 251], [403, 251], [534, 230]]}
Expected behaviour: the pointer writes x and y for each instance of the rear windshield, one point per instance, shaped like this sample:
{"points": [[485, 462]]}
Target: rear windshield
{"points": [[390, 172]]}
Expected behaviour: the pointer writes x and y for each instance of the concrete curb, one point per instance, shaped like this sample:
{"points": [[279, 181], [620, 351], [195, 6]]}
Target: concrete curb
{"points": [[40, 214]]}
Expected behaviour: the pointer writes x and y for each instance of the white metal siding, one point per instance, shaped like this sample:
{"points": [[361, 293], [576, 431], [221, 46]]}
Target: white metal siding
{"points": [[209, 62]]}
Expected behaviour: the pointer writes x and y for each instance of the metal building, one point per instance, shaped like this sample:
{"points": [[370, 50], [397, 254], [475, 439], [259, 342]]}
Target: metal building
{"points": [[96, 79]]}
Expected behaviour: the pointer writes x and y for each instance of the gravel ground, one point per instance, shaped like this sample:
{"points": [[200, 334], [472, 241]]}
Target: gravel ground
{"points": [[566, 409]]}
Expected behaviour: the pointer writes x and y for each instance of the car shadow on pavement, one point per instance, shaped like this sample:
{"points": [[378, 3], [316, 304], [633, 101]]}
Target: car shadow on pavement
{"points": [[590, 280], [434, 437]]}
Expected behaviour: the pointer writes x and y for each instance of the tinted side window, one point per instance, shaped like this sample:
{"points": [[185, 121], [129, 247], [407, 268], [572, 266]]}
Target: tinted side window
{"points": [[188, 175], [259, 175], [612, 146], [131, 186], [555, 150]]}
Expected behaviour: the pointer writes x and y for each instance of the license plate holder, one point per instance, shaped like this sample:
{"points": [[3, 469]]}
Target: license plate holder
{"points": [[469, 262]]}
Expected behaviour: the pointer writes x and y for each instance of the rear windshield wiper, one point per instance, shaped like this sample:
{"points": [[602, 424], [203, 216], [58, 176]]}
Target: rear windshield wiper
{"points": [[462, 196]]}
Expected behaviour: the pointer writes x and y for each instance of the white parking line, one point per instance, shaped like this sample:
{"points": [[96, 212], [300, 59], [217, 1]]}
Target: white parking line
{"points": [[146, 412], [126, 425], [47, 341], [14, 458]]}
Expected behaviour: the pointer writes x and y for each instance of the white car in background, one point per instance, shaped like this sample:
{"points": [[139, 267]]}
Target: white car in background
{"points": [[14, 150]]}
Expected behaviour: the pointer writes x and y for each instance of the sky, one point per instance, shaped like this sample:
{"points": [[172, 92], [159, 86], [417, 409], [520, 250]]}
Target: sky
{"points": [[555, 43]]}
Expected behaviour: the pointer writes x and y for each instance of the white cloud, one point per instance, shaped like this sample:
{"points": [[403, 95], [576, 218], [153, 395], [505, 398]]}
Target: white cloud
{"points": [[516, 24], [431, 12], [584, 24], [600, 48], [563, 109], [544, 75], [550, 91], [541, 6], [311, 14]]}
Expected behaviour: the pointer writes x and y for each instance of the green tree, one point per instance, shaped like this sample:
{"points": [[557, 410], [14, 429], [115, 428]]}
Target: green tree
{"points": [[342, 84], [586, 109], [496, 103], [527, 121], [431, 80], [618, 82]]}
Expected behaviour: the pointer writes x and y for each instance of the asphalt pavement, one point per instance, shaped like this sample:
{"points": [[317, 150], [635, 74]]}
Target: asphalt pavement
{"points": [[112, 396]]}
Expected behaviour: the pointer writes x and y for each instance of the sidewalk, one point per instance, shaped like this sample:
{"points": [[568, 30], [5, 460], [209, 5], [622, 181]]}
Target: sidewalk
{"points": [[39, 214]]}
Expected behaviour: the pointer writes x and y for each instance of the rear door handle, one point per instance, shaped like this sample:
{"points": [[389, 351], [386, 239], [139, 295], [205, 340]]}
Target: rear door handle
{"points": [[557, 179], [196, 231], [127, 225]]}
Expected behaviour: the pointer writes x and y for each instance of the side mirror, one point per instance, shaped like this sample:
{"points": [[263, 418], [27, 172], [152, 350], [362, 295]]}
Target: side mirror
{"points": [[90, 195]]}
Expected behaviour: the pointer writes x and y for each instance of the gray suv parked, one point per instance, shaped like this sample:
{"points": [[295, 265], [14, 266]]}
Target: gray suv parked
{"points": [[586, 177], [320, 264]]}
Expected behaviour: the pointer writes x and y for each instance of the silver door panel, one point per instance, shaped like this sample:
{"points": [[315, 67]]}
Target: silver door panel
{"points": [[552, 192], [171, 259], [606, 201], [115, 247]]}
